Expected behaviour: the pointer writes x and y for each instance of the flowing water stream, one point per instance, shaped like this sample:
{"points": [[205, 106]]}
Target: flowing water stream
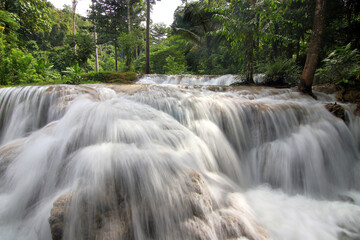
{"points": [[176, 159]]}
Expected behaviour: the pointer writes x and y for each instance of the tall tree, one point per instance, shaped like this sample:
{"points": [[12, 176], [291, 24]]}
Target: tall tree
{"points": [[249, 42], [96, 50], [240, 28], [128, 16], [110, 17], [312, 56], [148, 19], [74, 4], [147, 64]]}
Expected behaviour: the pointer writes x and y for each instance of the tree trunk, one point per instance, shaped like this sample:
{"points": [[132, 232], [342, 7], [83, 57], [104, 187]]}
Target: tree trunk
{"points": [[312, 56], [137, 47], [128, 52], [75, 2], [128, 16], [116, 55], [250, 58], [147, 65], [96, 47], [96, 51], [250, 50]]}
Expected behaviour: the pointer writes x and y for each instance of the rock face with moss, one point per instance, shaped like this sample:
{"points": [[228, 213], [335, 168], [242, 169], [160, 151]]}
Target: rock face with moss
{"points": [[204, 219]]}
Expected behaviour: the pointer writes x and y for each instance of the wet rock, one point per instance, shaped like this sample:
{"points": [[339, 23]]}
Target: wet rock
{"points": [[209, 221], [4, 164], [351, 95], [58, 214], [336, 109], [103, 214], [357, 110], [198, 198], [94, 222], [8, 153], [235, 226], [328, 88], [197, 229], [345, 198], [277, 81]]}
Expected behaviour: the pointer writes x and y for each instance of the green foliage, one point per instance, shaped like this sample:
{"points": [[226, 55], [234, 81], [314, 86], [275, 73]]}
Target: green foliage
{"points": [[172, 47], [128, 47], [280, 71], [9, 27], [162, 56], [74, 74], [17, 68], [109, 77], [174, 67], [85, 48], [62, 57], [45, 71], [30, 16], [207, 37], [158, 32], [341, 66]]}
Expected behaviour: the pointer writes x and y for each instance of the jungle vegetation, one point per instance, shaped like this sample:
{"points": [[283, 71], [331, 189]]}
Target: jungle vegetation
{"points": [[298, 41]]}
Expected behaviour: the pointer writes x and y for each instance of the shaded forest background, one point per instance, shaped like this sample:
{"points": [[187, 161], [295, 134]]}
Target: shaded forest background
{"points": [[40, 44]]}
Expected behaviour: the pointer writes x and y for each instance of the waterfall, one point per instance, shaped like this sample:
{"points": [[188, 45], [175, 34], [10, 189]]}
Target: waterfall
{"points": [[200, 80], [169, 161]]}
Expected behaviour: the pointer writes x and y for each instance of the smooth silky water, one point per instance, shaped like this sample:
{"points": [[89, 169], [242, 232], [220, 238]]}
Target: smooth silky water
{"points": [[178, 158]]}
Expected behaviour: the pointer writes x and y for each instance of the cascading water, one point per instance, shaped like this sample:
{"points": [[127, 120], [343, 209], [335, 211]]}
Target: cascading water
{"points": [[197, 80], [173, 162]]}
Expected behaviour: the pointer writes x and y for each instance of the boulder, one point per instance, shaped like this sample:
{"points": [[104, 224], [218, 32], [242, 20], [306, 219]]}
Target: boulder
{"points": [[95, 221], [351, 95], [336, 109], [328, 88], [58, 214], [212, 220], [198, 197], [8, 153], [357, 110], [105, 214]]}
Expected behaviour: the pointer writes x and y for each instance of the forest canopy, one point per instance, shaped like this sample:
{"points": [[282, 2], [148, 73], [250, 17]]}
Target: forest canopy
{"points": [[41, 44]]}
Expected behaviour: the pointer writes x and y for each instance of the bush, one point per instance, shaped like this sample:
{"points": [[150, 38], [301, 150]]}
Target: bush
{"points": [[109, 77], [18, 68], [74, 74], [341, 66], [280, 72], [173, 67]]}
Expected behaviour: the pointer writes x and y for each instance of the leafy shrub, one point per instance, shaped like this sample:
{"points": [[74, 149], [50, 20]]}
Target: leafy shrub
{"points": [[46, 72], [163, 57], [341, 66], [74, 74], [18, 68], [280, 72], [109, 77], [173, 67]]}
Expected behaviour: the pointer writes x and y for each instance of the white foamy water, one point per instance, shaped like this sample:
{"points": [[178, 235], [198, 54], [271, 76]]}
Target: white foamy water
{"points": [[171, 162], [196, 80], [190, 80]]}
